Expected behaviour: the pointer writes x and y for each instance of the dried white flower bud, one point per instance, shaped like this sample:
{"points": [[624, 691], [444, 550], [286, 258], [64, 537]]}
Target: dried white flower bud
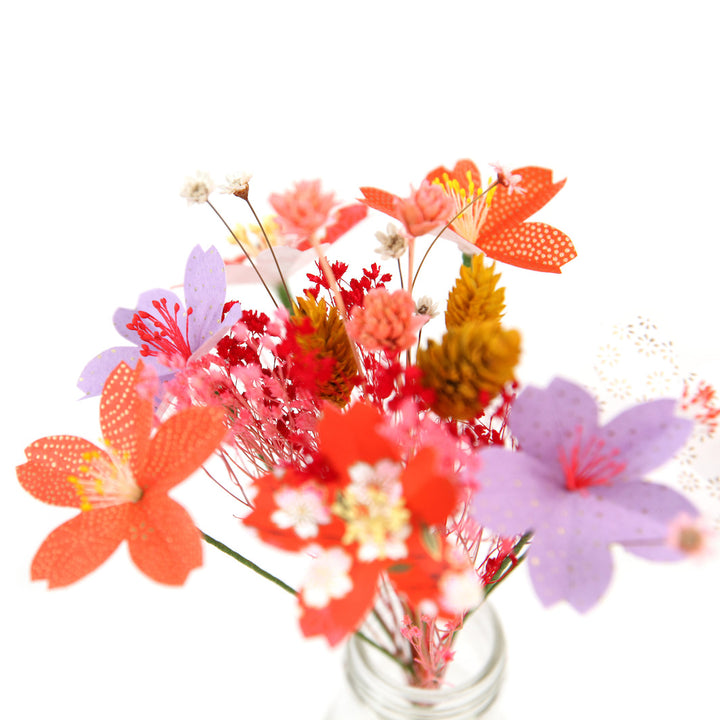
{"points": [[197, 189], [237, 185], [392, 243], [426, 306]]}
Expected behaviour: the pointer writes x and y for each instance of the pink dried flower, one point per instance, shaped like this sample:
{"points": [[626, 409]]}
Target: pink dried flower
{"points": [[690, 535], [428, 208], [505, 177], [387, 321], [303, 210]]}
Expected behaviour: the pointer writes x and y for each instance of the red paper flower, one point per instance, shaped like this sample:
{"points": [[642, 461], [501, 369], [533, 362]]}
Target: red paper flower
{"points": [[495, 224], [122, 489], [370, 513]]}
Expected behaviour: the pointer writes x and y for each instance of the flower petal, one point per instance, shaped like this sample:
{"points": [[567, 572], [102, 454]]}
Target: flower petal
{"points": [[577, 572], [463, 170], [182, 443], [51, 461], [123, 316], [163, 540], [381, 200], [96, 372], [647, 435], [532, 245], [125, 417], [429, 494], [205, 287], [345, 218], [543, 419], [80, 545], [508, 209]]}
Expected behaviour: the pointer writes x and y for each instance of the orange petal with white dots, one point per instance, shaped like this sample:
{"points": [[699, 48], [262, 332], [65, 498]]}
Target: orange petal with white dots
{"points": [[52, 464], [182, 443], [163, 540], [380, 200], [80, 545], [125, 417], [534, 246]]}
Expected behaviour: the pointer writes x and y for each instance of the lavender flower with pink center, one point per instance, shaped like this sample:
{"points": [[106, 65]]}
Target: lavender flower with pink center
{"points": [[579, 487], [163, 332]]}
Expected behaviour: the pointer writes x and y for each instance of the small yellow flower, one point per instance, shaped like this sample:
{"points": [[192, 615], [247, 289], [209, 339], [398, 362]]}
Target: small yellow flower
{"points": [[328, 339], [475, 295], [469, 367]]}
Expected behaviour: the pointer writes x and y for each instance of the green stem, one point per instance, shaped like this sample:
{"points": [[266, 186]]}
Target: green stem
{"points": [[500, 575], [269, 576]]}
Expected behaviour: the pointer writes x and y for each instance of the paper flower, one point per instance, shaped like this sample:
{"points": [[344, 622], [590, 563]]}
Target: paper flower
{"points": [[368, 514], [163, 332], [122, 488], [579, 487]]}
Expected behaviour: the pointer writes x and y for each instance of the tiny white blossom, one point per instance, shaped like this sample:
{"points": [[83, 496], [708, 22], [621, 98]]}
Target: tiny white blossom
{"points": [[392, 243], [302, 510], [197, 189], [426, 306], [460, 590], [237, 184], [328, 578]]}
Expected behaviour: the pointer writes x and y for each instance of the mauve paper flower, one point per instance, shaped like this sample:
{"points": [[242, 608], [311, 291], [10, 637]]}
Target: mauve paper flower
{"points": [[580, 487], [164, 334]]}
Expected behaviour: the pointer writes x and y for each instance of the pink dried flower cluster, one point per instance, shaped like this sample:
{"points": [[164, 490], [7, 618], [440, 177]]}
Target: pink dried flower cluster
{"points": [[428, 208], [431, 640], [302, 211], [387, 321]]}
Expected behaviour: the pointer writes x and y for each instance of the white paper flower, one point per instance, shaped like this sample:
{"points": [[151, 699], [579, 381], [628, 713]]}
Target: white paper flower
{"points": [[328, 578]]}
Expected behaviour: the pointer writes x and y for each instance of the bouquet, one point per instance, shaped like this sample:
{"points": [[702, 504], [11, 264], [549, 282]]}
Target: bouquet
{"points": [[352, 422]]}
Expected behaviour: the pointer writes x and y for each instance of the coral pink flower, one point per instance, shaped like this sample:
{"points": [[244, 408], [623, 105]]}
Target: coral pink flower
{"points": [[122, 489], [303, 210], [386, 321]]}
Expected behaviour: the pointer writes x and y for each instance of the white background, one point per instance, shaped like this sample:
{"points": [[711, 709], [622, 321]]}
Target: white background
{"points": [[108, 106]]}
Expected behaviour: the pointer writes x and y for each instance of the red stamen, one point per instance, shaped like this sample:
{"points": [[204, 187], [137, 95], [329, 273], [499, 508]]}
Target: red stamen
{"points": [[589, 463], [166, 341]]}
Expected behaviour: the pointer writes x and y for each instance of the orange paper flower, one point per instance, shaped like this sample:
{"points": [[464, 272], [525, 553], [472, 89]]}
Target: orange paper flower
{"points": [[496, 223], [122, 489]]}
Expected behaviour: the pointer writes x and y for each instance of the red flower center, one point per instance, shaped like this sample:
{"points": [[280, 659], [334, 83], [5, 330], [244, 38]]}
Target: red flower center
{"points": [[161, 336], [588, 462]]}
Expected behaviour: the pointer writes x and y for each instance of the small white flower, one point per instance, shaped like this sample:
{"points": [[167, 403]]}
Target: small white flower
{"points": [[237, 184], [460, 590], [426, 306], [302, 510], [392, 243], [328, 578], [197, 189]]}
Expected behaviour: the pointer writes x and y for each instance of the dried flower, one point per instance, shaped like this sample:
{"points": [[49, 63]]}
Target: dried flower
{"points": [[386, 321], [197, 189], [506, 178], [475, 295], [469, 367], [303, 210], [320, 330], [392, 243], [425, 209], [237, 185], [427, 306]]}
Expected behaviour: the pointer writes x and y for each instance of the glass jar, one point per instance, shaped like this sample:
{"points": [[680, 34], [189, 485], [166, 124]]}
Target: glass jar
{"points": [[376, 688]]}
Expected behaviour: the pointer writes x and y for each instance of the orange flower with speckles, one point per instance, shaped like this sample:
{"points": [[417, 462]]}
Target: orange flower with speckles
{"points": [[122, 489]]}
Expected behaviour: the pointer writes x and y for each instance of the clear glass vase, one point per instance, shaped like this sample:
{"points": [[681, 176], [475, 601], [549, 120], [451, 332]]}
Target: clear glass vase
{"points": [[376, 688]]}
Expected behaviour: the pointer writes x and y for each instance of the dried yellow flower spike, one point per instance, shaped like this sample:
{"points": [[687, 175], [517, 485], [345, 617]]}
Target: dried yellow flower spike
{"points": [[475, 295], [328, 339], [469, 367]]}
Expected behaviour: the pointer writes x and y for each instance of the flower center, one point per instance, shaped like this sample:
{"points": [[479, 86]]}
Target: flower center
{"points": [[161, 336], [468, 225], [588, 462], [374, 511], [104, 480]]}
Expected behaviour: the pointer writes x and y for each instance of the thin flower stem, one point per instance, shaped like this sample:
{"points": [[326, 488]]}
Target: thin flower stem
{"points": [[501, 573], [247, 255], [400, 275], [269, 576], [270, 247], [448, 224]]}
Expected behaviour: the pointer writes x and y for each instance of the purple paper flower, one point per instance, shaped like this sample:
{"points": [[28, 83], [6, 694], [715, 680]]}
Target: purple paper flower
{"points": [[164, 334], [579, 487]]}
